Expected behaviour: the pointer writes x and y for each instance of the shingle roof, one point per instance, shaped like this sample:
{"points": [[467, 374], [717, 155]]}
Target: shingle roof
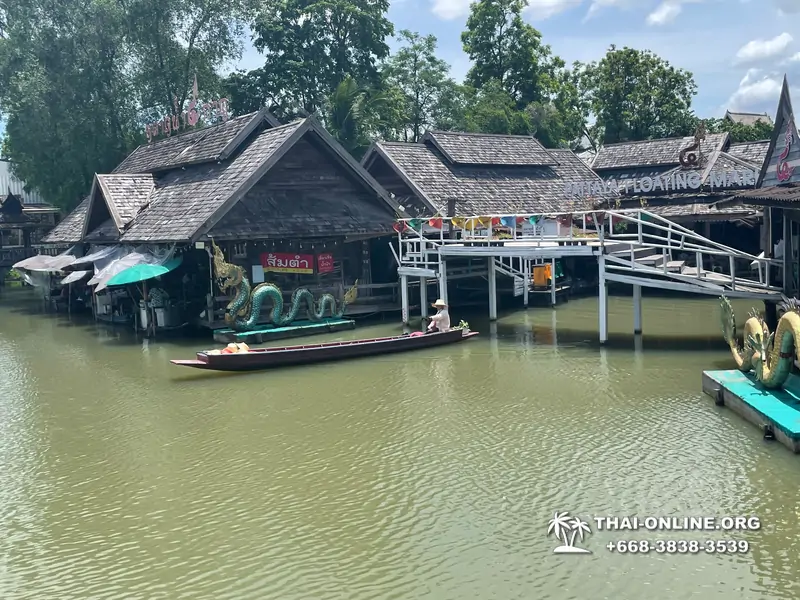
{"points": [[752, 152], [773, 196], [184, 200], [481, 190], [127, 193], [487, 149], [70, 229], [662, 152], [748, 118], [698, 210], [209, 144]]}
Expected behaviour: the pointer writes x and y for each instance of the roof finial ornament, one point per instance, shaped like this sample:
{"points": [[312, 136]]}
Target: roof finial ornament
{"points": [[690, 156]]}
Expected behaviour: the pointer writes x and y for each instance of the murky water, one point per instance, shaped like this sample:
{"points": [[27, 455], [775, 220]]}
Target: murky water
{"points": [[425, 475]]}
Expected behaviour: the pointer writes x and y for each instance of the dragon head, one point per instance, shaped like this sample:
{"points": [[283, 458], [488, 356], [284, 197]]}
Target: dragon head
{"points": [[226, 275], [788, 305], [351, 294]]}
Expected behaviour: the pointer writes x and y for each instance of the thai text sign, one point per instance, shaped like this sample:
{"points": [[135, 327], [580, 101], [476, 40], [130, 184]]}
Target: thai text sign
{"points": [[280, 262], [669, 182], [325, 263], [209, 111]]}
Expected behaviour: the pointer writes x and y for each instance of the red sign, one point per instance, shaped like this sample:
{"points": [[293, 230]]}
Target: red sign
{"points": [[281, 262], [188, 118], [325, 263]]}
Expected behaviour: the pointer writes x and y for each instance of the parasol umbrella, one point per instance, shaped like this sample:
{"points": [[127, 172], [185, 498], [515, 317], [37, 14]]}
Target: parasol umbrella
{"points": [[143, 272]]}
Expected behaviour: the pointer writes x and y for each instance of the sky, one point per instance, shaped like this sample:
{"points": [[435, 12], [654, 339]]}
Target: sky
{"points": [[737, 50]]}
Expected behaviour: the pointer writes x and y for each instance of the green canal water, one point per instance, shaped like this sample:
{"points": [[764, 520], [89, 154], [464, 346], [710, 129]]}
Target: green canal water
{"points": [[425, 475]]}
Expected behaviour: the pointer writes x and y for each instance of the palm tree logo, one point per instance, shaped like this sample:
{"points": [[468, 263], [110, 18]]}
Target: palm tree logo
{"points": [[566, 528]]}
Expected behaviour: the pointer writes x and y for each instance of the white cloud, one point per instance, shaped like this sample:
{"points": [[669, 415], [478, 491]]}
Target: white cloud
{"points": [[756, 50], [450, 9], [598, 5], [794, 58], [755, 89], [664, 13], [540, 10]]}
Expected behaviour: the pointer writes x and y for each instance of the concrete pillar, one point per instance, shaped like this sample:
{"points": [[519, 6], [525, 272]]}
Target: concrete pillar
{"points": [[637, 309], [553, 282], [492, 290], [404, 297], [423, 296], [603, 302], [526, 281]]}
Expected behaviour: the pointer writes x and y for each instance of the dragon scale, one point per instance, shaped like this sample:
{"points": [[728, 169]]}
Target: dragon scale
{"points": [[770, 356], [244, 311]]}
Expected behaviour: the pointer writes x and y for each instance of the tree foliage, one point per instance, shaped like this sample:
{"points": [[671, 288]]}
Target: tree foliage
{"points": [[311, 46], [421, 80], [505, 49], [78, 80], [740, 132], [636, 95]]}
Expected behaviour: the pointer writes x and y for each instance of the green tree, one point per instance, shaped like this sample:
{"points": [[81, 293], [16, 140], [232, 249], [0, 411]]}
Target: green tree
{"points": [[491, 109], [740, 132], [503, 48], [636, 95], [353, 114], [77, 86], [421, 79], [310, 46]]}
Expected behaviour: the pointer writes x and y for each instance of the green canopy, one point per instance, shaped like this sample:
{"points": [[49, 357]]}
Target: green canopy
{"points": [[143, 272]]}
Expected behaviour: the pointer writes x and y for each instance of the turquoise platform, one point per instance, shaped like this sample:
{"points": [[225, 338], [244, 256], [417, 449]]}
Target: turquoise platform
{"points": [[779, 409], [270, 332]]}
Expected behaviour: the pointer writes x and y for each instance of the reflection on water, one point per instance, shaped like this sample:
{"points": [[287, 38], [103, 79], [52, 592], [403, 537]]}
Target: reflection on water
{"points": [[430, 474]]}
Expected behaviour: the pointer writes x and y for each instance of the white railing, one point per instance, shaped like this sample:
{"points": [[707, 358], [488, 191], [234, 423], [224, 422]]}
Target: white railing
{"points": [[715, 264]]}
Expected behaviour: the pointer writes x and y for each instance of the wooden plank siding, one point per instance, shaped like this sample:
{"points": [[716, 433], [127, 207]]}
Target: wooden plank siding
{"points": [[307, 194]]}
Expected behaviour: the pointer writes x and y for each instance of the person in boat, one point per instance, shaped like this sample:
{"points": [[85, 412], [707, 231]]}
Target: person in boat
{"points": [[441, 320]]}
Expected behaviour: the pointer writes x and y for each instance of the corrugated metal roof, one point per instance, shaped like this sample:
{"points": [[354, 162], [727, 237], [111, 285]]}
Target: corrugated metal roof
{"points": [[10, 184]]}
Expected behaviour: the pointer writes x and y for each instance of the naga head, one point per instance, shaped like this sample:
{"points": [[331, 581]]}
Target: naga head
{"points": [[760, 344], [226, 275], [788, 305], [351, 294], [728, 320]]}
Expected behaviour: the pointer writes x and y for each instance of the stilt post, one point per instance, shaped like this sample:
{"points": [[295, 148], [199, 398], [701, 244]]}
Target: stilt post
{"points": [[637, 309], [492, 290], [526, 281], [423, 296], [443, 281], [553, 282], [404, 298], [603, 302]]}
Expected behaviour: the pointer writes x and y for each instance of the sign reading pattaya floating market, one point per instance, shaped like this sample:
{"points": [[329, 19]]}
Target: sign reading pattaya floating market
{"points": [[208, 112], [675, 181], [280, 262]]}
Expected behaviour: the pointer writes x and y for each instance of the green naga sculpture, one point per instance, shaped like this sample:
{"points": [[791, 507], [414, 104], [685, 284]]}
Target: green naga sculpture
{"points": [[770, 356], [244, 311]]}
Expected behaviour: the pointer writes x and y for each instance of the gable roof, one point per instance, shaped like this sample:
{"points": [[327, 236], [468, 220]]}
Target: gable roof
{"points": [[489, 149], [651, 153], [783, 133], [124, 195], [70, 229], [747, 118], [188, 202], [752, 152], [481, 189], [209, 144]]}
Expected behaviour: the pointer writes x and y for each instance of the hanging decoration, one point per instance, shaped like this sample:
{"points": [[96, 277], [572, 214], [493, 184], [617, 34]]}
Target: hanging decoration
{"points": [[458, 222], [415, 224], [495, 221], [533, 220], [400, 226], [509, 221], [436, 223]]}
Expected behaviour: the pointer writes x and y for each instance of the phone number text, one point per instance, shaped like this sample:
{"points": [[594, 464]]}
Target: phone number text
{"points": [[679, 547]]}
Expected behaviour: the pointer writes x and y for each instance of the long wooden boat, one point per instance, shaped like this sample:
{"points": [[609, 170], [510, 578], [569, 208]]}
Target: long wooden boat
{"points": [[267, 358]]}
